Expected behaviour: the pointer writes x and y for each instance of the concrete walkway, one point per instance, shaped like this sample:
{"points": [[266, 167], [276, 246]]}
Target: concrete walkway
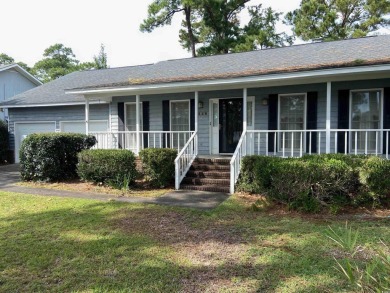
{"points": [[9, 175]]}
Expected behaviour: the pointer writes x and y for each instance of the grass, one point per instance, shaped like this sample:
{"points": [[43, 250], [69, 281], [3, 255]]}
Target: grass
{"points": [[79, 186], [50, 244]]}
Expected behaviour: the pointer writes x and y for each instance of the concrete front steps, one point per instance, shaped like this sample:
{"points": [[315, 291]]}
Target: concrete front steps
{"points": [[208, 174]]}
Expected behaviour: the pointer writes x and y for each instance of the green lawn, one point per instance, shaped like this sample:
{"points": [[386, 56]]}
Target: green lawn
{"points": [[70, 245]]}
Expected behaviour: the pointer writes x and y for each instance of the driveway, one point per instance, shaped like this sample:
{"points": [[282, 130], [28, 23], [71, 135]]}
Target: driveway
{"points": [[10, 174]]}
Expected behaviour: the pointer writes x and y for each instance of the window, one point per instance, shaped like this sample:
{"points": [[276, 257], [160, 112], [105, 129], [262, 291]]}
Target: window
{"points": [[249, 115], [131, 114], [215, 115], [130, 139], [180, 121], [365, 114], [291, 117]]}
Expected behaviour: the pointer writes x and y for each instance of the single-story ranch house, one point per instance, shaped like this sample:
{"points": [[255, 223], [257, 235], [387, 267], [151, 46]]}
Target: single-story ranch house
{"points": [[325, 97]]}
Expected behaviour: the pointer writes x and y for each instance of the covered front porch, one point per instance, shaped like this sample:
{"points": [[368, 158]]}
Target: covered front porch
{"points": [[348, 117]]}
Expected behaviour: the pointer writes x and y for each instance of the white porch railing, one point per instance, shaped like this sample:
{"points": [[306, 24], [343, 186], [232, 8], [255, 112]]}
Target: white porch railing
{"points": [[147, 139], [235, 162], [296, 143], [185, 158]]}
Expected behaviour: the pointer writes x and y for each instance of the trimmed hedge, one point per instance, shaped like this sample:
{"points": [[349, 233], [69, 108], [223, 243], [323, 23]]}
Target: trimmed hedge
{"points": [[158, 166], [3, 142], [313, 181], [52, 156], [375, 177], [114, 167]]}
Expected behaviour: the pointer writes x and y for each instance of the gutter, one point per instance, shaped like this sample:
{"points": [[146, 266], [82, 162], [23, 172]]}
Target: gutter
{"points": [[52, 105]]}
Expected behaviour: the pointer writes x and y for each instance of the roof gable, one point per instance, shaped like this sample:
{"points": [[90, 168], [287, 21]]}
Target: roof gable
{"points": [[22, 71]]}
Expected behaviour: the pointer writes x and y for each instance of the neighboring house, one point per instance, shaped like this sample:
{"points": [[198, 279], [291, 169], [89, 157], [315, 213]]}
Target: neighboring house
{"points": [[14, 80], [316, 98]]}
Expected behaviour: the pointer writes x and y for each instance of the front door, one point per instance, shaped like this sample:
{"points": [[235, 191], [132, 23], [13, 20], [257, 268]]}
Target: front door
{"points": [[230, 124]]}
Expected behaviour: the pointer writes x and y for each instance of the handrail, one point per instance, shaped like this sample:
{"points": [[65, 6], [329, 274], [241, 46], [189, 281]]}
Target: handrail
{"points": [[235, 162], [185, 158]]}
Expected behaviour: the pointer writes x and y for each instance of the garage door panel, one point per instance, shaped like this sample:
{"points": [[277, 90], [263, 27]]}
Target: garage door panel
{"points": [[22, 130]]}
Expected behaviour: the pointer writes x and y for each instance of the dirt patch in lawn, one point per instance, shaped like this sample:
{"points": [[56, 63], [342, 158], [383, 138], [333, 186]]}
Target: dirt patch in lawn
{"points": [[139, 190], [214, 250], [261, 203]]}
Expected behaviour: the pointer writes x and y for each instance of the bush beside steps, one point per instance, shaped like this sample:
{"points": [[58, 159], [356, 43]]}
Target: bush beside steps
{"points": [[158, 166], [117, 168], [315, 182]]}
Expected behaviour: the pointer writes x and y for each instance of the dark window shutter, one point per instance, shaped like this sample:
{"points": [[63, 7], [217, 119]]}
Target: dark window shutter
{"points": [[192, 114], [311, 120], [386, 117], [166, 122], [272, 119], [343, 119], [145, 122], [121, 123]]}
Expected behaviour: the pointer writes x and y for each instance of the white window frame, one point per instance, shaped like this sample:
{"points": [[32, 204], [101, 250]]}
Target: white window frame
{"points": [[280, 143], [140, 115], [381, 90], [82, 121], [189, 113]]}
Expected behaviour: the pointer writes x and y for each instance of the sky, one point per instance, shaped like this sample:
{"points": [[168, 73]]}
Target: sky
{"points": [[29, 27]]}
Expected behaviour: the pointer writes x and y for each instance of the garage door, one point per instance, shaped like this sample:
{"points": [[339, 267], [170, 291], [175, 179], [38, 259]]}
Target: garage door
{"points": [[79, 126], [24, 129]]}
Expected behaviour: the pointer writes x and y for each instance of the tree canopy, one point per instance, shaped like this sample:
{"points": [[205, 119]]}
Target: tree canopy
{"points": [[59, 60], [101, 59], [6, 60], [260, 32], [338, 19], [213, 26]]}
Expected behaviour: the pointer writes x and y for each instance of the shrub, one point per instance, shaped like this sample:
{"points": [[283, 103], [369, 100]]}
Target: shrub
{"points": [[52, 156], [3, 142], [305, 184], [375, 177], [255, 174], [113, 167], [158, 166], [354, 161]]}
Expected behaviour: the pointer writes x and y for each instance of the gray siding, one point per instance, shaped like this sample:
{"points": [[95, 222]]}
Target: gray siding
{"points": [[57, 114], [101, 112], [261, 111], [11, 84]]}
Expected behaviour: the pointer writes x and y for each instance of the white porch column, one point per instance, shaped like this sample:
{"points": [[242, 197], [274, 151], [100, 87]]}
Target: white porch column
{"points": [[86, 116], [137, 117], [196, 110], [244, 115], [328, 109]]}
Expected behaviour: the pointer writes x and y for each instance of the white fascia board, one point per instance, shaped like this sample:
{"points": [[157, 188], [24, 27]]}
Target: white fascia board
{"points": [[327, 74], [53, 105]]}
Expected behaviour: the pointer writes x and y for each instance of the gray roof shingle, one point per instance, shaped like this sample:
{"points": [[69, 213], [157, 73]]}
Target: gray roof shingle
{"points": [[353, 52]]}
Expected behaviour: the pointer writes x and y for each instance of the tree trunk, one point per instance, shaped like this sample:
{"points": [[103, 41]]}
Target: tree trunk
{"points": [[187, 10]]}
